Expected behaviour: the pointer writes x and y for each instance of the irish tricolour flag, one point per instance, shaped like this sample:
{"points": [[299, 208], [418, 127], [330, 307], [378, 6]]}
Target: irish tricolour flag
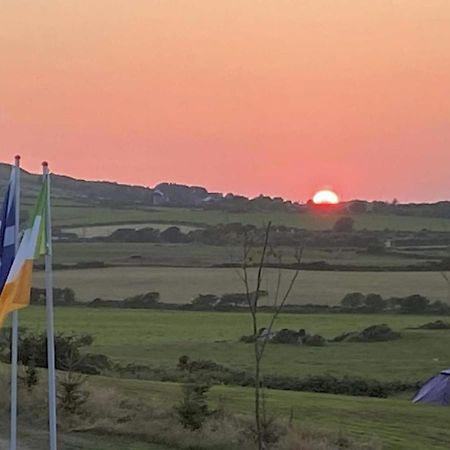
{"points": [[16, 290]]}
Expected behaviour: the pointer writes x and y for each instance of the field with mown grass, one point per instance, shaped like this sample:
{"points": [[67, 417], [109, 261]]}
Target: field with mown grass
{"points": [[196, 254], [182, 284], [72, 216], [159, 338], [397, 424]]}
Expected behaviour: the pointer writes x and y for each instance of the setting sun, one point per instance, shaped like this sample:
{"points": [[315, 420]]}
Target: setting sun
{"points": [[325, 197]]}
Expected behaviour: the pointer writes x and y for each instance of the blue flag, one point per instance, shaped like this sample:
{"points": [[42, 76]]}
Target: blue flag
{"points": [[8, 231]]}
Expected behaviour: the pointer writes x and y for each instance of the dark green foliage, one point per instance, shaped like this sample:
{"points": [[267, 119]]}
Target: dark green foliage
{"points": [[344, 225], [173, 235], [31, 376], [33, 352], [142, 301], [193, 409], [150, 300], [374, 333], [71, 394], [414, 304], [314, 340], [436, 325], [353, 300], [343, 386], [205, 300], [375, 302], [210, 373], [61, 297]]}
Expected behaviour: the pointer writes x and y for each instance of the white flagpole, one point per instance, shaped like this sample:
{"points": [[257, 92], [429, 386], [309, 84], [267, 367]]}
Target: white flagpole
{"points": [[15, 320], [49, 307]]}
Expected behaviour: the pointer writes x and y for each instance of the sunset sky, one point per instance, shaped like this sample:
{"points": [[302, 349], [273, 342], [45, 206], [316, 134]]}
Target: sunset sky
{"points": [[279, 97]]}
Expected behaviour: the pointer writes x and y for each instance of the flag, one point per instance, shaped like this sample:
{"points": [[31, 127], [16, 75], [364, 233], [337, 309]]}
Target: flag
{"points": [[16, 291], [8, 230]]}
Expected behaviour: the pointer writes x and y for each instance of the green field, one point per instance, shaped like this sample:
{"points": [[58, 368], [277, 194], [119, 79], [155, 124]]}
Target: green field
{"points": [[159, 338], [83, 216], [398, 424], [181, 285], [106, 230], [200, 255]]}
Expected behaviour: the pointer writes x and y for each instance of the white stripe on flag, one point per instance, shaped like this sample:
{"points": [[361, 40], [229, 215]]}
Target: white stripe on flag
{"points": [[10, 236]]}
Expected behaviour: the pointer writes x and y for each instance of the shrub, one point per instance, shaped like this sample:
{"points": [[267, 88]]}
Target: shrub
{"points": [[374, 333], [375, 302], [436, 325], [193, 409], [148, 300], [314, 340], [414, 304], [344, 224], [353, 300], [206, 300], [71, 394]]}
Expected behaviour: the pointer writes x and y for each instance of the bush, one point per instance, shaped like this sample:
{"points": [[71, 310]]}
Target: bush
{"points": [[353, 300], [375, 302], [413, 304], [314, 340], [193, 409], [148, 300], [374, 333], [436, 325], [208, 301], [71, 395], [33, 352], [344, 224]]}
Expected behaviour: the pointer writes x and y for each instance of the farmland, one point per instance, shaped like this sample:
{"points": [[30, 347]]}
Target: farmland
{"points": [[69, 217], [159, 338], [181, 285], [201, 255], [96, 265]]}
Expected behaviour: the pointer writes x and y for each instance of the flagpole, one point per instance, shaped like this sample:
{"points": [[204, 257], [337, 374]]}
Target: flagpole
{"points": [[49, 308], [15, 319]]}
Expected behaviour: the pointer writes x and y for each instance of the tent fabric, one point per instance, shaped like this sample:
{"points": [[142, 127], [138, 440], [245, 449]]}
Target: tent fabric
{"points": [[436, 390]]}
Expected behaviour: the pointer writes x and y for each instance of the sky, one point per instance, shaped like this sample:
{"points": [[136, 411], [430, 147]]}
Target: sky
{"points": [[280, 97]]}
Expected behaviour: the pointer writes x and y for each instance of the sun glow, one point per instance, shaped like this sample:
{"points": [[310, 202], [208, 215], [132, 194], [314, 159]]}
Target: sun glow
{"points": [[325, 197]]}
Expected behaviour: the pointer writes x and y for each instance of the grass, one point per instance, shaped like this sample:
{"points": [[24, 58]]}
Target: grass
{"points": [[70, 216], [159, 338], [106, 230], [181, 285], [200, 255], [398, 424]]}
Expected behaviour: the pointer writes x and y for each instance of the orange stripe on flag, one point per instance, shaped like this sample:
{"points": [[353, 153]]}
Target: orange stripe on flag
{"points": [[16, 294]]}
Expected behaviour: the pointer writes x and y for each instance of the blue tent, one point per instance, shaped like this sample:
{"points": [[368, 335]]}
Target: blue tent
{"points": [[436, 390]]}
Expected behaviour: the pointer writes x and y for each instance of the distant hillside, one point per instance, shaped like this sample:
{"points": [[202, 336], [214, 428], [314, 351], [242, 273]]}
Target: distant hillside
{"points": [[69, 191]]}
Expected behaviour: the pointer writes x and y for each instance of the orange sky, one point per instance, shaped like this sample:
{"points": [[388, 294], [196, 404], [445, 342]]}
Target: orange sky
{"points": [[279, 97]]}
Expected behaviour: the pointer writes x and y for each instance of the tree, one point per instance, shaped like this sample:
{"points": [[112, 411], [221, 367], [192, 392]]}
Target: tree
{"points": [[353, 300], [193, 409], [253, 296], [375, 302], [414, 304], [344, 224]]}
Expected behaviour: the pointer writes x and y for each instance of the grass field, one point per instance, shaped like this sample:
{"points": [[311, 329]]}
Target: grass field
{"points": [[398, 424], [106, 230], [181, 285], [83, 216], [159, 338], [200, 255]]}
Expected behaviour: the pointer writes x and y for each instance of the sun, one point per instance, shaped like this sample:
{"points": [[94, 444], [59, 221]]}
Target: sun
{"points": [[325, 197]]}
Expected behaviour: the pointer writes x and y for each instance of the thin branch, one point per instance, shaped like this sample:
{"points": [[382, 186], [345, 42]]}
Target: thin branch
{"points": [[299, 254], [261, 264]]}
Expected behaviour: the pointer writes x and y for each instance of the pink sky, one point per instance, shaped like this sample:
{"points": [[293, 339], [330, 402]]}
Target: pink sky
{"points": [[280, 97]]}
